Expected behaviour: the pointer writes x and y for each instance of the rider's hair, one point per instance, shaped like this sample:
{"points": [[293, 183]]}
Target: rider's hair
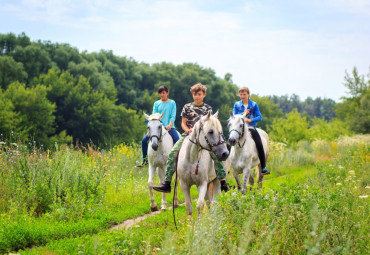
{"points": [[198, 87], [244, 89], [162, 88]]}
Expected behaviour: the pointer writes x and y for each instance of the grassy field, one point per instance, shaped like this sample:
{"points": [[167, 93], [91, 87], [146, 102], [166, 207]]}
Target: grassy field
{"points": [[64, 200]]}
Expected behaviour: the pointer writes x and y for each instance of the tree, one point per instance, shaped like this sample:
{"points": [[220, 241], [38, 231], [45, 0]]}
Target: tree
{"points": [[269, 111], [35, 60], [10, 71], [354, 109], [291, 129], [8, 117], [324, 130], [35, 111]]}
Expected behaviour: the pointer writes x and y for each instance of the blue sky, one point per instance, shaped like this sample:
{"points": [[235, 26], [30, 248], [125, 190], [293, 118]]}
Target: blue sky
{"points": [[273, 47]]}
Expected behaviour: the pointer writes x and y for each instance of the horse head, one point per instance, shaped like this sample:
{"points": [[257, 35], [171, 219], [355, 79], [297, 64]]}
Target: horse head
{"points": [[237, 127], [208, 133], [154, 129]]}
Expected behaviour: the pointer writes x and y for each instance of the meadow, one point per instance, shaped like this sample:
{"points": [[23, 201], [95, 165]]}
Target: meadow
{"points": [[64, 201]]}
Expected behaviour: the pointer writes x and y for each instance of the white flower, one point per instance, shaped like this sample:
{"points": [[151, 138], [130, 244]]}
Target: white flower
{"points": [[367, 187], [364, 196], [351, 172]]}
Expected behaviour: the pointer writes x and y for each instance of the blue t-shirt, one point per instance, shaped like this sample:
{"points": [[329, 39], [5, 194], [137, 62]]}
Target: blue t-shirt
{"points": [[168, 109]]}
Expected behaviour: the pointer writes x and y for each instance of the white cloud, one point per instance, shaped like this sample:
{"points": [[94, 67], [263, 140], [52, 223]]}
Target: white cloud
{"points": [[270, 61]]}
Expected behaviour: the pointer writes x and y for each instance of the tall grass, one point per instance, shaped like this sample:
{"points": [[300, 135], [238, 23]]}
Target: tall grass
{"points": [[317, 209]]}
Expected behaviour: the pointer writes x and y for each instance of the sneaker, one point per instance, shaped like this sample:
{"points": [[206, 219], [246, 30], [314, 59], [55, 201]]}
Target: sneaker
{"points": [[265, 171], [164, 187], [145, 163]]}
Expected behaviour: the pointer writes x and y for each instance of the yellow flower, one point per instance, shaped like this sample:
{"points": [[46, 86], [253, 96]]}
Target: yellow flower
{"points": [[351, 172], [339, 184]]}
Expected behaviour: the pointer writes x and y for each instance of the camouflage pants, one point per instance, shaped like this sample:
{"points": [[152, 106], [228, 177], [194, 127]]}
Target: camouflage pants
{"points": [[171, 161]]}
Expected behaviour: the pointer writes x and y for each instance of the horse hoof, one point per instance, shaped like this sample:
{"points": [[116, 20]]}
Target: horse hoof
{"points": [[163, 209], [154, 209], [175, 206]]}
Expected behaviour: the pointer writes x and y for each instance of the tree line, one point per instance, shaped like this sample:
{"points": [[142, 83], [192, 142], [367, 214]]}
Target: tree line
{"points": [[52, 92]]}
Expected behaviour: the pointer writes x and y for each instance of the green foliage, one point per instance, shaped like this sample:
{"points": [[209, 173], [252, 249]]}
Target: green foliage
{"points": [[34, 59], [291, 129], [324, 130], [320, 108], [8, 118], [10, 71], [33, 110], [318, 209], [354, 109], [268, 109]]}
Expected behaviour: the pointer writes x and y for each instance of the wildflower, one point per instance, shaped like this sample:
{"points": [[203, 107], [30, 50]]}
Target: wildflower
{"points": [[339, 184], [364, 196], [367, 187]]}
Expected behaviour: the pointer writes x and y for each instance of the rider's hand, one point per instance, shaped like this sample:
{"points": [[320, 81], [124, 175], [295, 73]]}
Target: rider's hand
{"points": [[168, 127], [248, 120], [189, 131]]}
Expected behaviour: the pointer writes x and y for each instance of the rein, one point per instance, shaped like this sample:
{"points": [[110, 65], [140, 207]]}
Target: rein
{"points": [[241, 134], [220, 141], [160, 134]]}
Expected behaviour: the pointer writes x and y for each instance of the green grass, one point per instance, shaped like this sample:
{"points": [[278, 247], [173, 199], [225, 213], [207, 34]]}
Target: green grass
{"points": [[303, 208]]}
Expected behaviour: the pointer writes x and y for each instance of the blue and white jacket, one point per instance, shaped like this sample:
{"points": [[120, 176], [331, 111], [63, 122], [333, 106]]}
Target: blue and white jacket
{"points": [[255, 114]]}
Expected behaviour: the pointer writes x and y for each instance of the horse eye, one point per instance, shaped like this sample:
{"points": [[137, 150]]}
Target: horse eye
{"points": [[241, 125], [159, 127]]}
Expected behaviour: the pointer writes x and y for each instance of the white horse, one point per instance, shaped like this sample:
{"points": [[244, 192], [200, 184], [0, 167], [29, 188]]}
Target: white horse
{"points": [[160, 145], [244, 155], [195, 165]]}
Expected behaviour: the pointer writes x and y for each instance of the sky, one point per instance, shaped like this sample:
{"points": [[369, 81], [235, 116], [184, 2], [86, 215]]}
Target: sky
{"points": [[272, 47]]}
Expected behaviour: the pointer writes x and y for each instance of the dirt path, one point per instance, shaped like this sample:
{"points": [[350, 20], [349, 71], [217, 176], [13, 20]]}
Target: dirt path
{"points": [[130, 222]]}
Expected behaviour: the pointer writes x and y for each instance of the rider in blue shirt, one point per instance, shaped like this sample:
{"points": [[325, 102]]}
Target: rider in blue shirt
{"points": [[168, 108], [253, 115]]}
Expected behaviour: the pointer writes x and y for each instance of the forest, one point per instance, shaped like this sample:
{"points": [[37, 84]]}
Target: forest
{"points": [[53, 93]]}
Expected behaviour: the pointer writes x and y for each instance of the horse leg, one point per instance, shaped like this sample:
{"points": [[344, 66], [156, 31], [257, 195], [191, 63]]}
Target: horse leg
{"points": [[260, 176], [216, 188], [186, 191], [202, 192], [237, 178], [251, 182], [246, 173], [161, 171], [153, 205]]}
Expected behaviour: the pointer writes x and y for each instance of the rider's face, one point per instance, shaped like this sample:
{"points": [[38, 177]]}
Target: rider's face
{"points": [[243, 95], [198, 97], [163, 95]]}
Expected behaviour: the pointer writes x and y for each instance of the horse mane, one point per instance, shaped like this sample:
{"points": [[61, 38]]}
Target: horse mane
{"points": [[154, 116]]}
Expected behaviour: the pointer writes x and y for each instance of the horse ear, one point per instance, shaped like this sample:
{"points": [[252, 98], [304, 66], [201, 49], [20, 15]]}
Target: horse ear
{"points": [[216, 114], [146, 116], [231, 113], [160, 117], [208, 115]]}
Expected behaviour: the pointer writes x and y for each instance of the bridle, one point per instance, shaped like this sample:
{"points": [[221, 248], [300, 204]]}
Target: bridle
{"points": [[241, 134], [160, 133], [221, 140]]}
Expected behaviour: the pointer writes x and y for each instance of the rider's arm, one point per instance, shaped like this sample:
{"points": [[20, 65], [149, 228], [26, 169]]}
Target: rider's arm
{"points": [[184, 126]]}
